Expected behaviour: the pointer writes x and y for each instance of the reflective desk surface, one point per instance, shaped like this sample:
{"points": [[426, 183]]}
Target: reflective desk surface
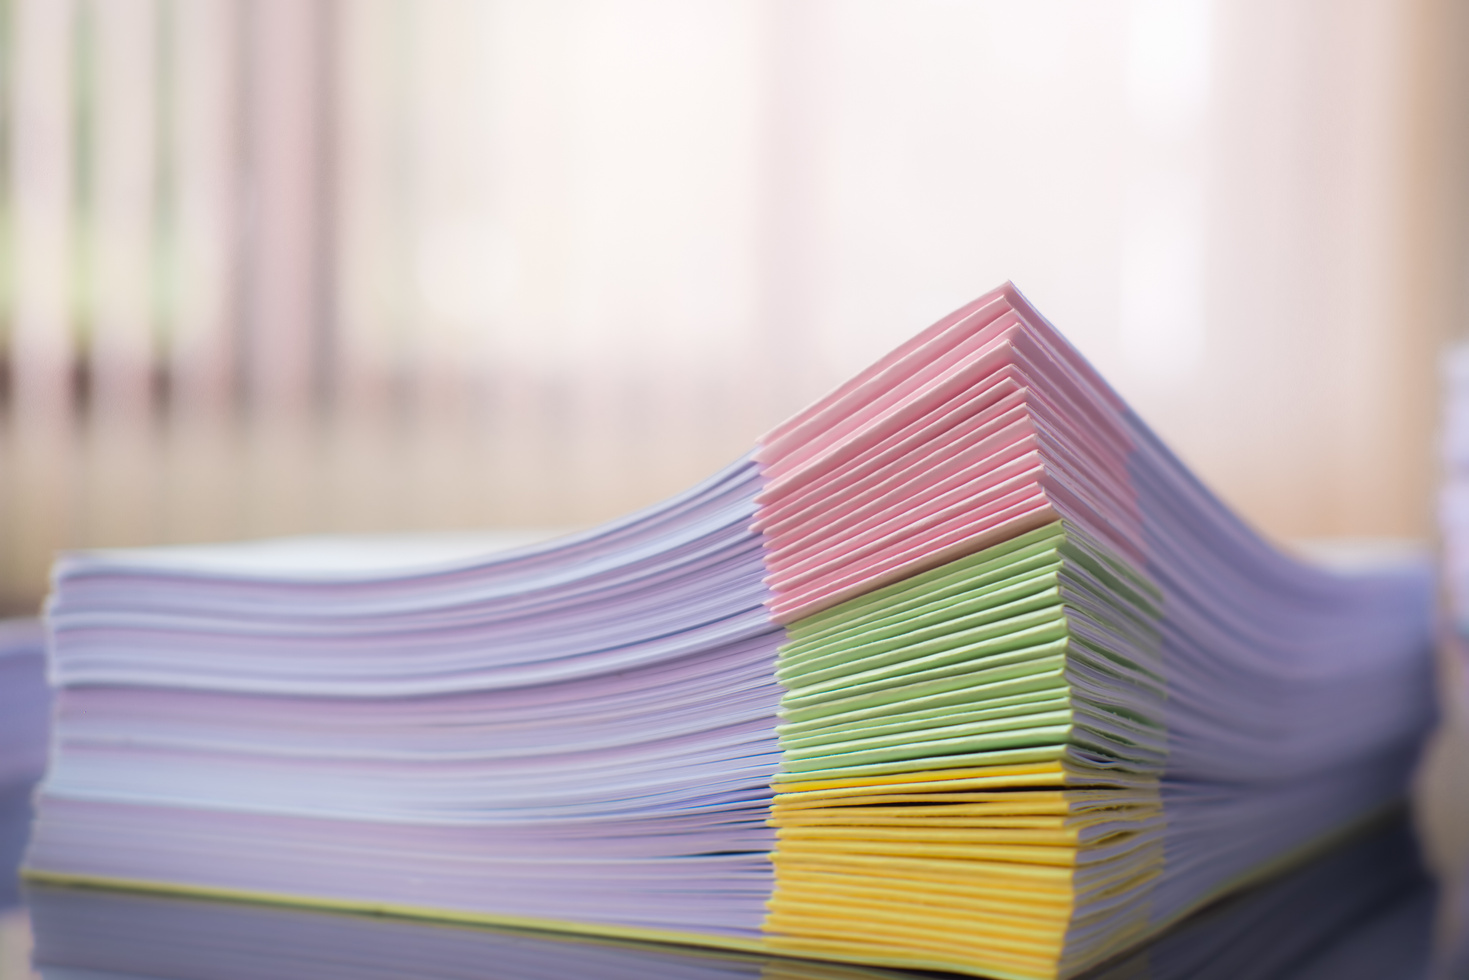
{"points": [[1362, 911]]}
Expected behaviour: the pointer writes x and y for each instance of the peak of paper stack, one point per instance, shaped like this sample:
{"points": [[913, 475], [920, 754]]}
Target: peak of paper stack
{"points": [[962, 670]]}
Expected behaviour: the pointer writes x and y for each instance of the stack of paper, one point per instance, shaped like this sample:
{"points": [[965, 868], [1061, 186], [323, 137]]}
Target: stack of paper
{"points": [[25, 708], [577, 731], [1359, 913], [962, 670], [1454, 494], [1442, 797]]}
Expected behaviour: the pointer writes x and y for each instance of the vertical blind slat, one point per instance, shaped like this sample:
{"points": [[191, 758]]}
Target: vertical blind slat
{"points": [[40, 471], [201, 499], [120, 445]]}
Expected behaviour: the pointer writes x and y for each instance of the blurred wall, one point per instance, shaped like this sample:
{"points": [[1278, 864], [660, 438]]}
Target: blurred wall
{"points": [[273, 266]]}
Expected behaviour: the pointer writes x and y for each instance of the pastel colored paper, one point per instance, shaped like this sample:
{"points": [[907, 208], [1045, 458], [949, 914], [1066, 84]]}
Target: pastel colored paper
{"points": [[960, 670]]}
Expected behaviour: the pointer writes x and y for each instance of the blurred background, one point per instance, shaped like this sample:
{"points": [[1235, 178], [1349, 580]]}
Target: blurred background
{"points": [[283, 266]]}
